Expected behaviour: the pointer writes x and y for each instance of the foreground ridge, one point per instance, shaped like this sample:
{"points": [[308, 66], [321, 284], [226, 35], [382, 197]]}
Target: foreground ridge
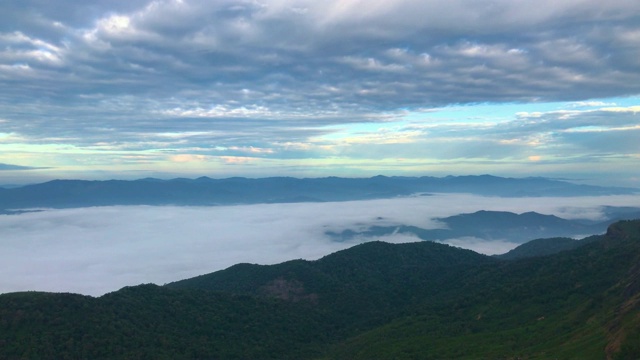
{"points": [[375, 300]]}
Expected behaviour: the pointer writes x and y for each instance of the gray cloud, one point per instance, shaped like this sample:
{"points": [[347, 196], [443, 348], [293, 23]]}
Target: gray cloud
{"points": [[96, 250], [292, 55], [145, 80], [14, 167]]}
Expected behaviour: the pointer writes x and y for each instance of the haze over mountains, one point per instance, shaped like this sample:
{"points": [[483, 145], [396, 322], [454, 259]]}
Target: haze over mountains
{"points": [[348, 295], [287, 260], [488, 225], [207, 191], [90, 245]]}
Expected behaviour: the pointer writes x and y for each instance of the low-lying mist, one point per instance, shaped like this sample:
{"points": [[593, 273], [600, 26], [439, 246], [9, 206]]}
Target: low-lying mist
{"points": [[96, 250]]}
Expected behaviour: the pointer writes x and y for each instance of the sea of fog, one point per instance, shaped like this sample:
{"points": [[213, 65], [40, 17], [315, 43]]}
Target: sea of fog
{"points": [[96, 250]]}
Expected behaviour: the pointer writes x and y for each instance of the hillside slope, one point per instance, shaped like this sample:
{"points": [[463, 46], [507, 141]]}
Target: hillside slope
{"points": [[376, 300], [544, 247], [576, 304]]}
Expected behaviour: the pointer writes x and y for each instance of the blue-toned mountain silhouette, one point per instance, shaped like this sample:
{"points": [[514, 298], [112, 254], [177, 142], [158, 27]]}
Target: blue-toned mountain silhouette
{"points": [[208, 191], [492, 225]]}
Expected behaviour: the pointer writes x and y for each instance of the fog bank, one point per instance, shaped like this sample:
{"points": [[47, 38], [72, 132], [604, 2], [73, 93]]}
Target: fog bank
{"points": [[97, 250]]}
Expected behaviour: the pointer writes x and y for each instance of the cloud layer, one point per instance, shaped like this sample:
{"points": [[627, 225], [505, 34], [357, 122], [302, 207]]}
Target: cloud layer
{"points": [[97, 250], [298, 85]]}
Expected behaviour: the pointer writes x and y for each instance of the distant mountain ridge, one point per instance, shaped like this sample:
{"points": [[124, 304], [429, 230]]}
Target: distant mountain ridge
{"points": [[375, 300], [489, 225], [237, 190]]}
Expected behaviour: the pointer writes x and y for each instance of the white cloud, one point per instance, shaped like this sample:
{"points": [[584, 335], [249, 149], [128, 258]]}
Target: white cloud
{"points": [[371, 64], [115, 24], [591, 104], [488, 247], [221, 111], [97, 250], [619, 109]]}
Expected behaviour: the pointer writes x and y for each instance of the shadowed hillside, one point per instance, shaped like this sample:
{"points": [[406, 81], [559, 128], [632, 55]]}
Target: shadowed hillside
{"points": [[544, 247], [376, 300]]}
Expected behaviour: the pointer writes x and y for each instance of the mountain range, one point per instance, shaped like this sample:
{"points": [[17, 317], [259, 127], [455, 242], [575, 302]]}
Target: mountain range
{"points": [[498, 225], [377, 300], [208, 191]]}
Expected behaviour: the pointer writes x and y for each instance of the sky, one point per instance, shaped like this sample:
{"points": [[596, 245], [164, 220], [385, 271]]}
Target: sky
{"points": [[97, 250], [135, 88]]}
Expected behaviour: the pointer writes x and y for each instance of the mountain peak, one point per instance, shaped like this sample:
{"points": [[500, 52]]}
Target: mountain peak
{"points": [[624, 230]]}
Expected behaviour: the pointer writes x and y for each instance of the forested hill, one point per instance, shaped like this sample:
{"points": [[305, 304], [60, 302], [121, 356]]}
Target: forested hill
{"points": [[375, 300], [543, 247], [208, 191]]}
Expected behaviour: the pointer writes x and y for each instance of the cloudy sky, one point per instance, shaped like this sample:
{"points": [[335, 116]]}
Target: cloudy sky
{"points": [[135, 88]]}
